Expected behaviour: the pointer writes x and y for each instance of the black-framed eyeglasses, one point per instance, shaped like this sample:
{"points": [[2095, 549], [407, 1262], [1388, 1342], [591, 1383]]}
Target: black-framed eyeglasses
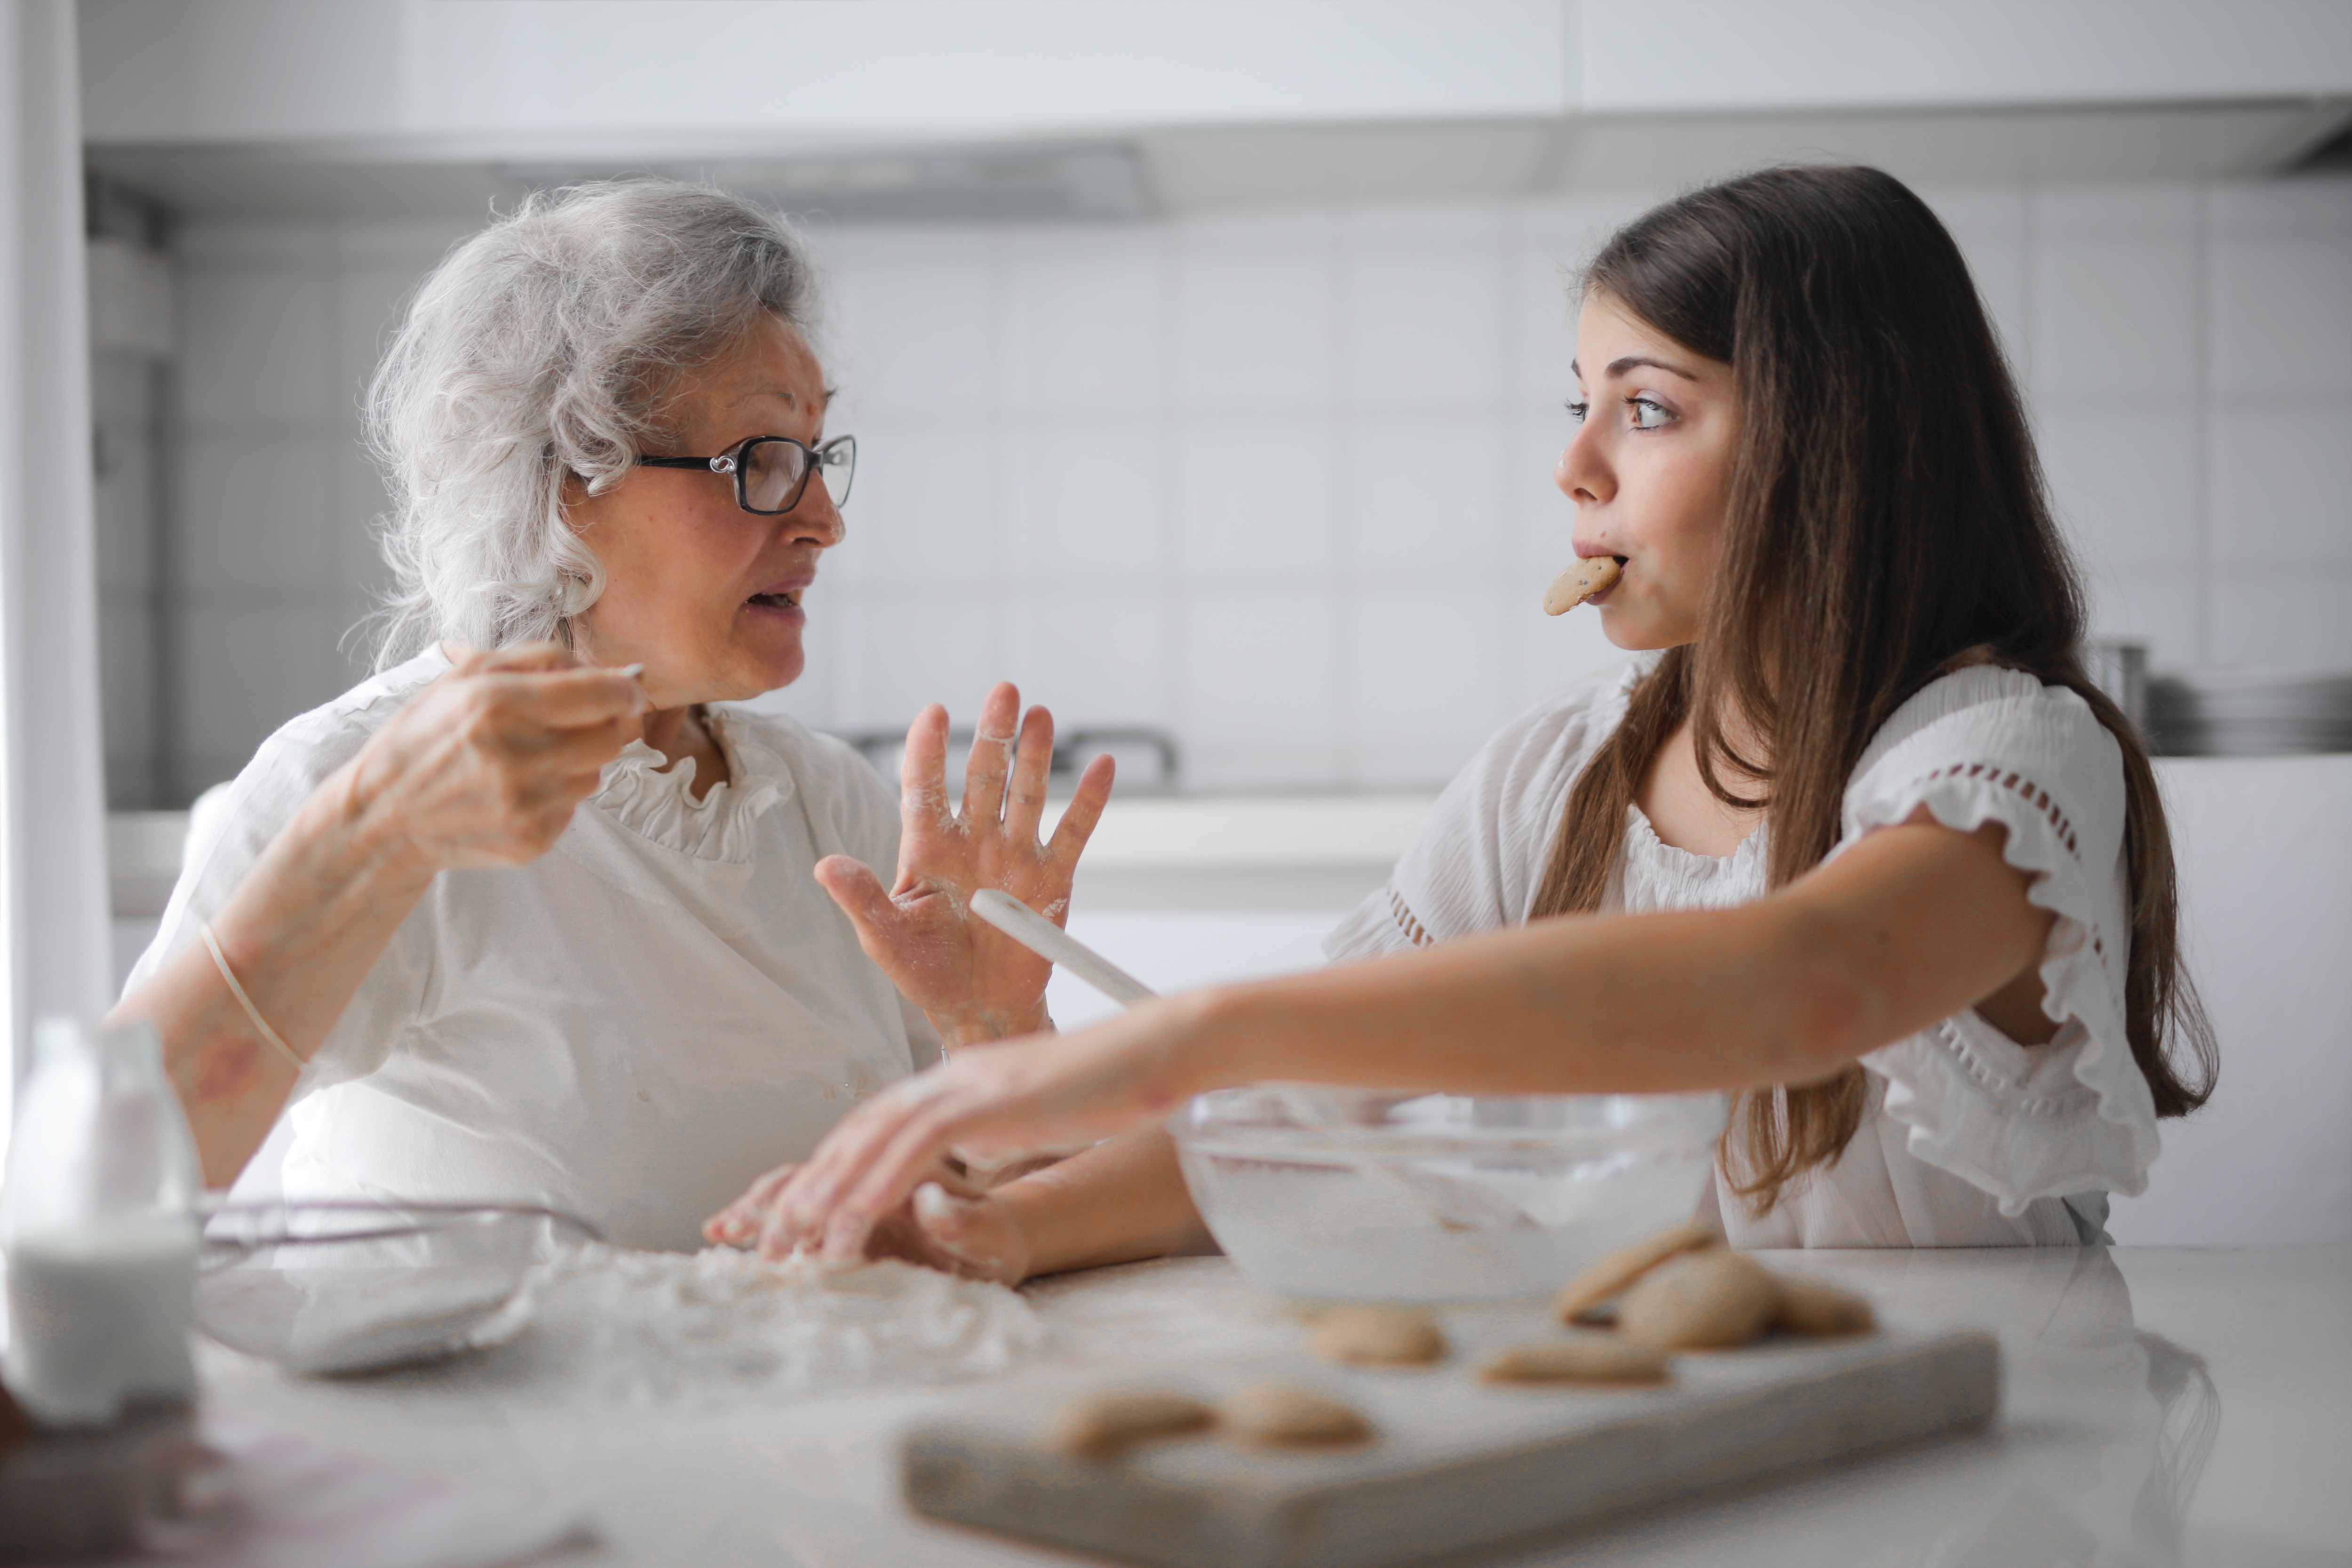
{"points": [[772, 472]]}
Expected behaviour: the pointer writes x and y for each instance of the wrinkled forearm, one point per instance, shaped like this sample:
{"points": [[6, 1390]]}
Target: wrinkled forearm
{"points": [[300, 932]]}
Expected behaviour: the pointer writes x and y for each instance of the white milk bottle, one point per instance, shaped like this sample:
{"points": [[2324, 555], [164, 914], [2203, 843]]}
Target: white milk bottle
{"points": [[100, 1227]]}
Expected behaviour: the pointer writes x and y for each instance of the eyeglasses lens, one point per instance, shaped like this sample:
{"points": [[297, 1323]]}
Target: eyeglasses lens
{"points": [[839, 460], [771, 475]]}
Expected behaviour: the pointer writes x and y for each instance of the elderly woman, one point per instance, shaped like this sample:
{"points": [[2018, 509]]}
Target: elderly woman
{"points": [[527, 916]]}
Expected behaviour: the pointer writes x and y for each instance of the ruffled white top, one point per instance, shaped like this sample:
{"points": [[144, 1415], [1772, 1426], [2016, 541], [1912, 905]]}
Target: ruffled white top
{"points": [[1971, 1139], [628, 1028]]}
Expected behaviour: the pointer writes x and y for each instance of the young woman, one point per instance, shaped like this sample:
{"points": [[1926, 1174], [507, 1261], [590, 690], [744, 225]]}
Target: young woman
{"points": [[1853, 836]]}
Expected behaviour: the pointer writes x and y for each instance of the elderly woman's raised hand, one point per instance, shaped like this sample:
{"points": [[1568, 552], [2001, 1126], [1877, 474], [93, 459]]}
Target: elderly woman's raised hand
{"points": [[975, 981], [485, 766]]}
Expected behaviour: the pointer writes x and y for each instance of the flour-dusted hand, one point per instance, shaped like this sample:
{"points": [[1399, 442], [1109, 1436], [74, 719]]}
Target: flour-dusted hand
{"points": [[485, 766], [997, 1101], [976, 982], [948, 1223]]}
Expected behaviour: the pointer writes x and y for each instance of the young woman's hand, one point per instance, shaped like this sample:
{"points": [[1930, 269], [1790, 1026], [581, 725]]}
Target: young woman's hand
{"points": [[995, 1100], [948, 1224], [485, 765], [976, 982]]}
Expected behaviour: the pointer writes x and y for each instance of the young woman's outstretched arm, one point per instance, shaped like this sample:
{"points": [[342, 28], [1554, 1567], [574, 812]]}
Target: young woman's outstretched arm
{"points": [[1914, 923]]}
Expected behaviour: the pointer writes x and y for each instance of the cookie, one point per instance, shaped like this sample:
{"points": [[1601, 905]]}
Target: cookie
{"points": [[1377, 1336], [1290, 1415], [1594, 574], [1587, 1358], [1612, 1274], [1812, 1307], [1102, 1427], [1703, 1300]]}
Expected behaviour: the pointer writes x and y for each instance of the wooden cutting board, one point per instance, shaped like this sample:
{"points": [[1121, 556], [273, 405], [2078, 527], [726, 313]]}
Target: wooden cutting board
{"points": [[1457, 1463]]}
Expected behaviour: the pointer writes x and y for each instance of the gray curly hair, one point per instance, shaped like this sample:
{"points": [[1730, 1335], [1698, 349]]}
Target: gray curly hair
{"points": [[543, 348]]}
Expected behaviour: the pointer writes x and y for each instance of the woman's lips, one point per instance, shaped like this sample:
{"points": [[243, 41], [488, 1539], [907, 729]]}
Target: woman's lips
{"points": [[782, 600]]}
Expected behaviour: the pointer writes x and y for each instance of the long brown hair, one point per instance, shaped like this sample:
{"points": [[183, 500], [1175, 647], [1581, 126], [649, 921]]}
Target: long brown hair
{"points": [[1887, 521]]}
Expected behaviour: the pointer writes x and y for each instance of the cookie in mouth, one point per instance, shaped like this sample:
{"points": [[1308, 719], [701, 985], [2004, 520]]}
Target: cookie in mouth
{"points": [[1589, 578]]}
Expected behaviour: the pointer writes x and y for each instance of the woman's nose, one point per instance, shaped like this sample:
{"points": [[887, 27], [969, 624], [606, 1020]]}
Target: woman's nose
{"points": [[816, 520], [1581, 474]]}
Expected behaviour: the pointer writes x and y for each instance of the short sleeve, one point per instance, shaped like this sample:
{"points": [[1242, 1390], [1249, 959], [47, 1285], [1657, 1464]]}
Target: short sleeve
{"points": [[1478, 861], [2074, 1115], [236, 823]]}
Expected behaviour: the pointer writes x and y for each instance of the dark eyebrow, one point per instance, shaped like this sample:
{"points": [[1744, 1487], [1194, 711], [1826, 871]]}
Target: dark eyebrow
{"points": [[1618, 367]]}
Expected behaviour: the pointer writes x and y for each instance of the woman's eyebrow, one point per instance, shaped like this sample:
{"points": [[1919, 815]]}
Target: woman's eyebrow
{"points": [[1618, 367], [784, 395]]}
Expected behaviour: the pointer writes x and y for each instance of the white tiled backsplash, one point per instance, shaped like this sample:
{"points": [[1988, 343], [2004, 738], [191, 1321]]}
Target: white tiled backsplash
{"points": [[1281, 482]]}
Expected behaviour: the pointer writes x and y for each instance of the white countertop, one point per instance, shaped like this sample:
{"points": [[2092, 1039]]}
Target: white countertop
{"points": [[2161, 1407]]}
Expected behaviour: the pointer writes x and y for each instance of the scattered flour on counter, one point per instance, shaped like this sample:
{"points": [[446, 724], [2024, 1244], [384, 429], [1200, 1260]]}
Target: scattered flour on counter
{"points": [[663, 1326]]}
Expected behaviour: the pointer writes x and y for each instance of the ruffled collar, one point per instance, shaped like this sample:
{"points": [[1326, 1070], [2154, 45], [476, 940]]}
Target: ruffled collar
{"points": [[1656, 875], [661, 806]]}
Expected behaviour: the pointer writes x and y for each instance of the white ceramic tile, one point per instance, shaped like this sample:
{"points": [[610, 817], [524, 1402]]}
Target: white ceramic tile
{"points": [[258, 511], [248, 243], [2282, 484], [370, 304], [920, 334], [814, 698], [1376, 226], [126, 682], [123, 502], [1092, 656], [1254, 499], [1548, 652], [2164, 609], [1254, 327], [1258, 677], [1541, 521], [2314, 206], [1427, 681], [905, 648], [362, 507], [2116, 317], [251, 663], [1260, 228], [256, 350], [2139, 209], [2124, 481], [2293, 619], [925, 507], [1542, 327], [1424, 326], [1088, 502], [1088, 319], [418, 245], [1988, 224], [2282, 316], [1423, 498]]}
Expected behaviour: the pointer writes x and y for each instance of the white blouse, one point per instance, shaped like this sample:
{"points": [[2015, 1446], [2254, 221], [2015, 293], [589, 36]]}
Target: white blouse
{"points": [[629, 1029], [1970, 1139]]}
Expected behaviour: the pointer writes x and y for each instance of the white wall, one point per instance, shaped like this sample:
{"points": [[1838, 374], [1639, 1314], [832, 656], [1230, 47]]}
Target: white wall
{"points": [[275, 501], [516, 76], [1281, 482]]}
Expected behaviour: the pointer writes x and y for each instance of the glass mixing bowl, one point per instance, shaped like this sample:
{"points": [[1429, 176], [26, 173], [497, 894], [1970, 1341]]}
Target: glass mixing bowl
{"points": [[333, 1287], [1356, 1195]]}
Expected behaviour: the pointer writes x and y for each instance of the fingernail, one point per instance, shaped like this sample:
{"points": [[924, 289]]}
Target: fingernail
{"points": [[844, 1237], [630, 671]]}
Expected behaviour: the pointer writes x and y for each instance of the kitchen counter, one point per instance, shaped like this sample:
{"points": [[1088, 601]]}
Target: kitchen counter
{"points": [[2161, 1407]]}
